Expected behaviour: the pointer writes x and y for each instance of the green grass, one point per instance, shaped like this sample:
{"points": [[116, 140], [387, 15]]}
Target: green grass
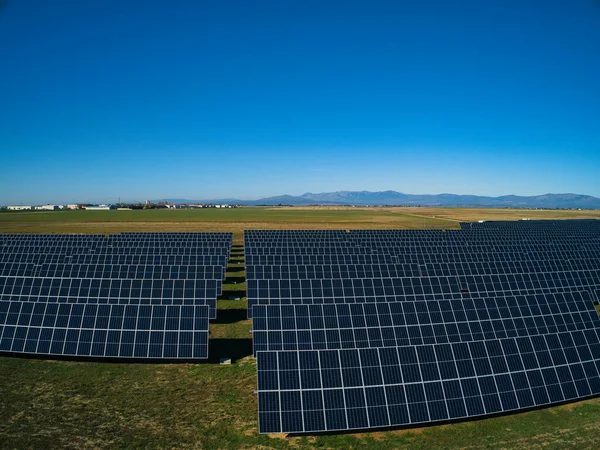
{"points": [[90, 405], [65, 404], [47, 404], [301, 217]]}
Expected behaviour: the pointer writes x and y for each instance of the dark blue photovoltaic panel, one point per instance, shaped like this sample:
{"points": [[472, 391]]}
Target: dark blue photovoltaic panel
{"points": [[334, 390], [104, 259], [420, 258], [364, 325], [414, 288], [387, 248], [114, 291], [128, 271], [383, 270], [107, 331]]}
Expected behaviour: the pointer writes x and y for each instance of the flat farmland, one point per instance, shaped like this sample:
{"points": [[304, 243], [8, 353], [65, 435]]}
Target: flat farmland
{"points": [[234, 220], [73, 404], [237, 219]]}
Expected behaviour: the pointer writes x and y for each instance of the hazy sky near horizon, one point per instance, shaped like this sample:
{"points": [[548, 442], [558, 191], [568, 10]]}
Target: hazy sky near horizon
{"points": [[248, 99]]}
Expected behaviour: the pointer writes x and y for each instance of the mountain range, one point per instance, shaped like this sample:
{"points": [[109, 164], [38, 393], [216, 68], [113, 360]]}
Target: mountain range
{"points": [[393, 198]]}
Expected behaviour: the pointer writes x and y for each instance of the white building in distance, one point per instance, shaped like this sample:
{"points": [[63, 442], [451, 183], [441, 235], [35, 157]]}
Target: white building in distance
{"points": [[18, 208], [46, 207], [99, 207]]}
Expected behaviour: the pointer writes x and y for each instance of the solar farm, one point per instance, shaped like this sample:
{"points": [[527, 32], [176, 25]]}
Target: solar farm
{"points": [[343, 337]]}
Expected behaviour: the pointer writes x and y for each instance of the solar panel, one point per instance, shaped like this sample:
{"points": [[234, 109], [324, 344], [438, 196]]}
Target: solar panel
{"points": [[133, 248], [111, 291], [366, 325], [413, 288], [164, 260], [384, 270], [104, 331], [434, 258], [53, 270], [389, 250], [333, 390]]}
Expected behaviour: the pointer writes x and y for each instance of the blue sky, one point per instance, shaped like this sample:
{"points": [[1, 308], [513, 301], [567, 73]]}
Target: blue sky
{"points": [[247, 99]]}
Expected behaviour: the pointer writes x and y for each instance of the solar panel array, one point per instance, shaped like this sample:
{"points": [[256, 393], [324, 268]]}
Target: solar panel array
{"points": [[132, 295], [378, 328]]}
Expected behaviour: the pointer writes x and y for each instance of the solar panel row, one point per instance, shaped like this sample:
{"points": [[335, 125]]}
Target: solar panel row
{"points": [[392, 250], [336, 326], [132, 331], [112, 291], [314, 271], [282, 260], [413, 288], [330, 390], [162, 260], [112, 271], [120, 250]]}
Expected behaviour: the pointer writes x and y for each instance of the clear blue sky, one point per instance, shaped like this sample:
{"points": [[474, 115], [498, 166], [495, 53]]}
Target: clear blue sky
{"points": [[209, 99]]}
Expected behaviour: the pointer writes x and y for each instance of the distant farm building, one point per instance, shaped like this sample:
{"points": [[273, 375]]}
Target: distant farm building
{"points": [[100, 207], [46, 207], [18, 208], [210, 205]]}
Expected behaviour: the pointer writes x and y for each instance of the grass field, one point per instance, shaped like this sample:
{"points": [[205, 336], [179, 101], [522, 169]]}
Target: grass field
{"points": [[238, 219], [65, 404]]}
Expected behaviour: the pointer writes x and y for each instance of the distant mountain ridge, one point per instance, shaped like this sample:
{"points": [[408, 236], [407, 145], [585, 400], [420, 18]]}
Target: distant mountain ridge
{"points": [[394, 198]]}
